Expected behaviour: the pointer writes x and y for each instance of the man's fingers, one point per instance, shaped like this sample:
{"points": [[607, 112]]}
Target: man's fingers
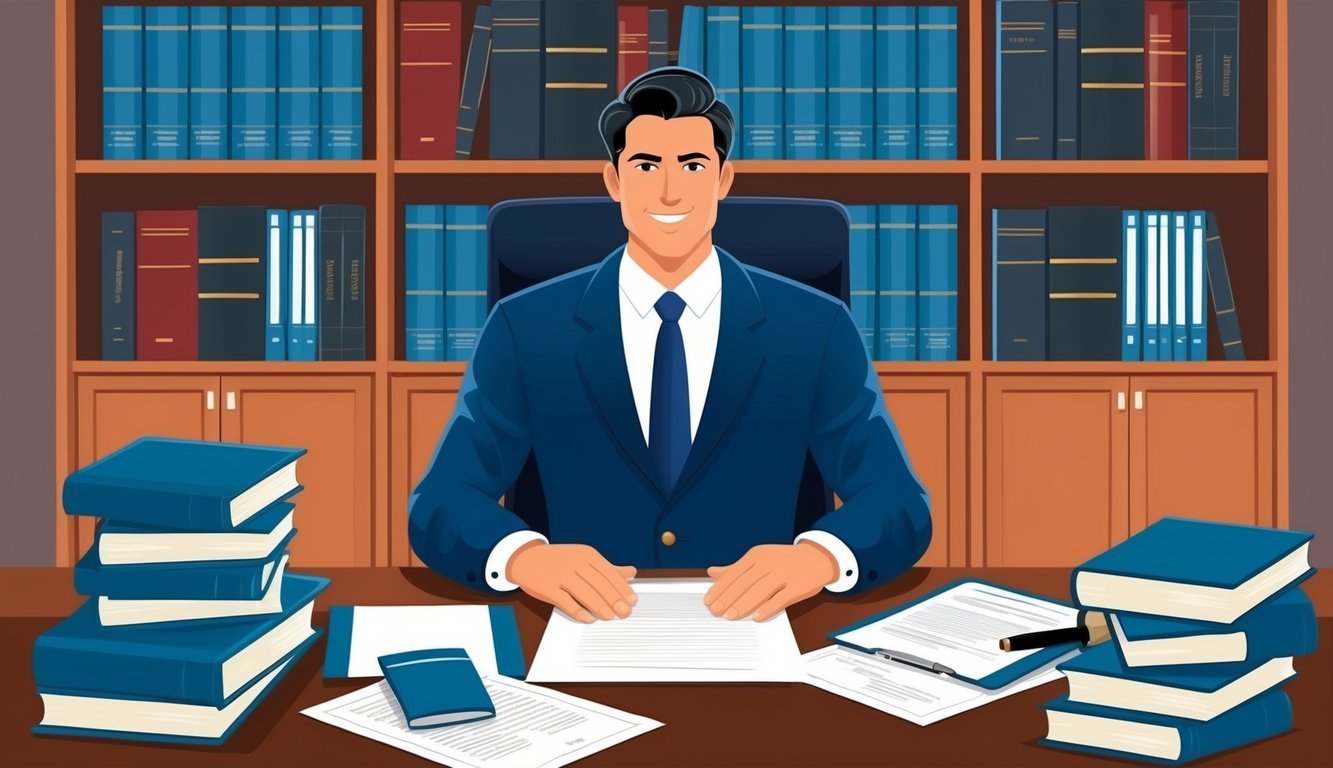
{"points": [[724, 577], [587, 595], [738, 586], [716, 571], [755, 596], [563, 600], [606, 590], [773, 605], [619, 581]]}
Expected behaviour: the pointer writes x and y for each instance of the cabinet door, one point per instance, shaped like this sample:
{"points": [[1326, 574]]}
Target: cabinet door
{"points": [[329, 416], [930, 413], [1202, 446], [115, 410], [1056, 474], [420, 408]]}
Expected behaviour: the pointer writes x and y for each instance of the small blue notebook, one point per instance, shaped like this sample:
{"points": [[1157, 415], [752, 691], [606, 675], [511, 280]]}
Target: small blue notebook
{"points": [[437, 687]]}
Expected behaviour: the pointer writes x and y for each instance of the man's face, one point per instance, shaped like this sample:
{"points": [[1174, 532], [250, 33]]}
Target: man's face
{"points": [[668, 183]]}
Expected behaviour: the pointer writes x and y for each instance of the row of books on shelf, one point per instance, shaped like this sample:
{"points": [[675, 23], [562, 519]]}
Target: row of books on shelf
{"points": [[444, 296], [1102, 283], [241, 83], [234, 283], [1117, 79]]}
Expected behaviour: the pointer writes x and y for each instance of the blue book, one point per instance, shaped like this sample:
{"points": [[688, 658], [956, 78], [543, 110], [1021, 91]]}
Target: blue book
{"points": [[1214, 93], [189, 485], [805, 60], [692, 49], [1180, 257], [423, 304], [166, 82], [169, 665], [254, 83], [1219, 285], [137, 544], [861, 264], [1198, 277], [1126, 734], [474, 77], [437, 687], [723, 63], [896, 336], [1165, 270], [340, 50], [278, 296], [895, 82], [1151, 293], [464, 278], [1018, 284], [1024, 80], [209, 77], [937, 82], [517, 78], [298, 83], [1284, 625], [122, 82], [761, 83], [1200, 570], [303, 318], [118, 285], [851, 82], [202, 580], [1131, 240], [1066, 80], [937, 282]]}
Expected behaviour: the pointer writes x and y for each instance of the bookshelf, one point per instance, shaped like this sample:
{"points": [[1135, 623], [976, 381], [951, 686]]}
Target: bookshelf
{"points": [[958, 418]]}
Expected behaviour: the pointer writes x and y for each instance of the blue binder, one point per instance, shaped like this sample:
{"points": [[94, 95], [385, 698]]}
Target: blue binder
{"points": [[1198, 281], [278, 296], [1131, 347]]}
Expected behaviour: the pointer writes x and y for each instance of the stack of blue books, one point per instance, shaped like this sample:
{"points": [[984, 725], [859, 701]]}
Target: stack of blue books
{"points": [[1205, 619], [192, 617]]}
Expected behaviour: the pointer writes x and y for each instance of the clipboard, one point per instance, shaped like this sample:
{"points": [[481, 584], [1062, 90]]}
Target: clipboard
{"points": [[1019, 668]]}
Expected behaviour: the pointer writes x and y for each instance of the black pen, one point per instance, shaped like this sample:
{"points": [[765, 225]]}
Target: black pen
{"points": [[913, 661], [1091, 630]]}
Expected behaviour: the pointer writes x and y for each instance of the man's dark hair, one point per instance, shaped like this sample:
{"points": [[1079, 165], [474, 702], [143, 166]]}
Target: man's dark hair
{"points": [[667, 92]]}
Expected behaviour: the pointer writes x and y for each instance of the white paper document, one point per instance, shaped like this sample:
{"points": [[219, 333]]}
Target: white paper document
{"points": [[533, 727], [669, 637]]}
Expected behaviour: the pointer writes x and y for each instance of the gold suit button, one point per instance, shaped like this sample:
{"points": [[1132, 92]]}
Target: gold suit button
{"points": [[668, 538]]}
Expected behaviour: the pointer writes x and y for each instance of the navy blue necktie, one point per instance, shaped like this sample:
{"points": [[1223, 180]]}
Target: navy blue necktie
{"points": [[669, 412]]}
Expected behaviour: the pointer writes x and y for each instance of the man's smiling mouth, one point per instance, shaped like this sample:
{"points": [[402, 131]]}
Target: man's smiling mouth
{"points": [[669, 218]]}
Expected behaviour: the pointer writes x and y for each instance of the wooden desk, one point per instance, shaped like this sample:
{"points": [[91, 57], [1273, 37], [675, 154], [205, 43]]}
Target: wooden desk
{"points": [[713, 725]]}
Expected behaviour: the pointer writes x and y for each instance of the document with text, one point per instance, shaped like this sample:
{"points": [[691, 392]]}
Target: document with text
{"points": [[670, 636]]}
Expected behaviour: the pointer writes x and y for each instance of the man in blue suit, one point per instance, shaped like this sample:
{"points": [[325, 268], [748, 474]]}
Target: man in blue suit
{"points": [[669, 396]]}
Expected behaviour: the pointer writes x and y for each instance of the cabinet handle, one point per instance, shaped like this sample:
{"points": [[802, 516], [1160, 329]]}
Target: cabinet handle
{"points": [[1120, 401], [1138, 399], [231, 401], [209, 400]]}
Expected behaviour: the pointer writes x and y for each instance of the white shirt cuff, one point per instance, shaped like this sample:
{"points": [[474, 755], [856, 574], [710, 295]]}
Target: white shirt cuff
{"points": [[847, 570], [497, 565]]}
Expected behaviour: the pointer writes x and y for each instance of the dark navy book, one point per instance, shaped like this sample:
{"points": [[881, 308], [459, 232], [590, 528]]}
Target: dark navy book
{"points": [[1018, 284], [1066, 80], [1214, 85], [437, 687], [658, 34], [342, 265], [1025, 80], [200, 580], [1224, 302], [580, 70], [517, 83], [1111, 74], [233, 281], [474, 78], [118, 285], [1083, 279]]}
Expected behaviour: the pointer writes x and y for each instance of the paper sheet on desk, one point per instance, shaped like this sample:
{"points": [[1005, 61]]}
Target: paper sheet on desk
{"points": [[669, 637]]}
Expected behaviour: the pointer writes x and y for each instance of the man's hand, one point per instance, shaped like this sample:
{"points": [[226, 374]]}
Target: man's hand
{"points": [[574, 578], [769, 578]]}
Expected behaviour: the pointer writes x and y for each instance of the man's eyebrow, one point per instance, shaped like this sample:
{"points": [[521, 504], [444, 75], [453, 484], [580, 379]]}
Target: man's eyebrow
{"points": [[644, 156], [692, 156]]}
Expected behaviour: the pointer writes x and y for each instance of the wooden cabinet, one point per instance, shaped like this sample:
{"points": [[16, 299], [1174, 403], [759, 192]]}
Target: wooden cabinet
{"points": [[420, 407]]}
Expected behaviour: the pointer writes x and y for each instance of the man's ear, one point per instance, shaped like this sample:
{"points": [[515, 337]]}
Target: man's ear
{"points": [[724, 183], [612, 181]]}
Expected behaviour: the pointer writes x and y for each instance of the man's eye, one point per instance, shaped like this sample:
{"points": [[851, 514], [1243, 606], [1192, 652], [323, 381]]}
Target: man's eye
{"points": [[694, 166], [646, 166]]}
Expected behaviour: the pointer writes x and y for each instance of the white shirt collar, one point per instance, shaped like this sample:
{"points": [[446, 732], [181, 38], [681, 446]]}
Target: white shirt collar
{"points": [[699, 290]]}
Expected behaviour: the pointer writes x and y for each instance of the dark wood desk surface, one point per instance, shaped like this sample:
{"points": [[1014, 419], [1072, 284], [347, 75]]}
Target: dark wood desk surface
{"points": [[711, 725]]}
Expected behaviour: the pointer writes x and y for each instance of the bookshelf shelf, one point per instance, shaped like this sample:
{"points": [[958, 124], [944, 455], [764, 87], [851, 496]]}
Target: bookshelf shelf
{"points": [[259, 367], [1087, 167], [398, 367], [1115, 368], [833, 167], [156, 167]]}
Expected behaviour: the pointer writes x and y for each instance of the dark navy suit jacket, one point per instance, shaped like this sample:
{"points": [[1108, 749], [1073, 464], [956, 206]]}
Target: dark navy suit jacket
{"points": [[791, 375]]}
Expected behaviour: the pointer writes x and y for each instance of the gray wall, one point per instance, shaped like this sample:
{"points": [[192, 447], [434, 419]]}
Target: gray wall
{"points": [[27, 257]]}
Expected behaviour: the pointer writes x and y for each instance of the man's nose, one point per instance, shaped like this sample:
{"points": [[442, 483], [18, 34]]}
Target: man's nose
{"points": [[665, 196]]}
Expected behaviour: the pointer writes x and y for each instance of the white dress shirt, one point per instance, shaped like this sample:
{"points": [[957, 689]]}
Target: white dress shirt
{"points": [[699, 326]]}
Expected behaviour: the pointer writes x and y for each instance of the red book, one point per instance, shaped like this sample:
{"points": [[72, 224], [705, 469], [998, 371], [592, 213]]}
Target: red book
{"points": [[166, 304], [430, 38], [1166, 123], [632, 53]]}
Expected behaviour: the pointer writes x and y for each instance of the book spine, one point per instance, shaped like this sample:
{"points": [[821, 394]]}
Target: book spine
{"points": [[1151, 237], [1219, 285], [1165, 244], [1066, 80], [1291, 629], [1025, 80], [277, 296], [722, 63], [328, 260], [1131, 239], [761, 83], [166, 36], [298, 83], [423, 303], [465, 278], [232, 276], [254, 83], [342, 249], [166, 314], [1266, 717], [692, 39], [340, 52], [658, 22], [896, 335], [1083, 283], [1167, 125], [631, 43], [85, 665], [517, 80], [131, 582], [937, 282], [1198, 304], [1111, 79], [937, 81], [805, 60], [895, 83], [1214, 60], [122, 82], [209, 77], [303, 320], [429, 52], [118, 285], [474, 78], [1018, 284], [1180, 287], [149, 506], [862, 261], [580, 49], [851, 82]]}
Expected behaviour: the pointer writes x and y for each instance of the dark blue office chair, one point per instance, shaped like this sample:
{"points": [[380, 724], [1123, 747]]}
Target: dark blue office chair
{"points": [[536, 239]]}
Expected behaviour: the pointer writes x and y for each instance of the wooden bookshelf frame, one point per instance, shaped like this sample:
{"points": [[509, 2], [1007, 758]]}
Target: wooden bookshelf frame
{"points": [[970, 173]]}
